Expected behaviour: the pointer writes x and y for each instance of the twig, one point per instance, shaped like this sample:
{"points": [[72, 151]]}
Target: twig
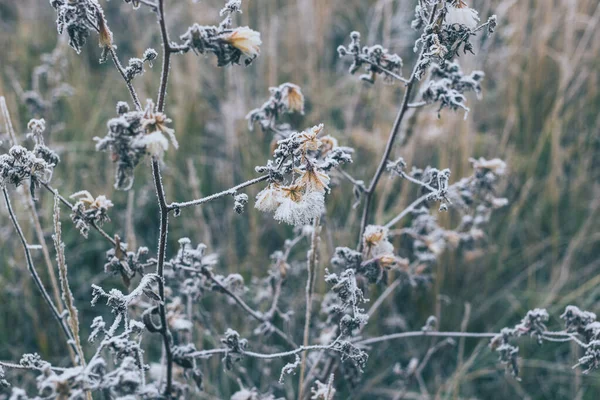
{"points": [[386, 71], [7, 121], [215, 196], [407, 210], [417, 104], [119, 66], [10, 365], [403, 335], [67, 295]]}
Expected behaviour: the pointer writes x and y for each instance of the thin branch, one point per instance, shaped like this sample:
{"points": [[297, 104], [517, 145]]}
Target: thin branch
{"points": [[7, 121], [148, 3], [407, 210], [417, 104], [403, 335], [228, 192], [352, 180], [119, 66], [36, 219], [386, 71], [265, 356], [10, 365], [417, 182]]}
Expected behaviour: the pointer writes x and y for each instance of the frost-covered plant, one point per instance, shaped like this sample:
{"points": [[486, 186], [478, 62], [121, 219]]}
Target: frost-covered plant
{"points": [[375, 59], [298, 176], [163, 296], [133, 135], [230, 45], [286, 98], [21, 165]]}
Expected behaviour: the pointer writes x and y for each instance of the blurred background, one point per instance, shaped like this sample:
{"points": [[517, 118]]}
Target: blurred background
{"points": [[539, 112]]}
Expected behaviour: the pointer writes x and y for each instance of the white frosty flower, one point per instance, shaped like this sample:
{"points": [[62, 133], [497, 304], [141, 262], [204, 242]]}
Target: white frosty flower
{"points": [[496, 165], [313, 180], [244, 394], [157, 121], [268, 199], [182, 324], [460, 13], [245, 40], [298, 207], [100, 202], [329, 143], [499, 202], [155, 143], [375, 240]]}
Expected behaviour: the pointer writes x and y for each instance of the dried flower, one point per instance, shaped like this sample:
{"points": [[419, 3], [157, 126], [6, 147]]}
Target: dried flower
{"points": [[460, 13], [268, 199], [285, 99], [246, 40], [496, 165], [313, 179], [293, 98], [375, 242], [298, 207], [228, 45], [308, 140]]}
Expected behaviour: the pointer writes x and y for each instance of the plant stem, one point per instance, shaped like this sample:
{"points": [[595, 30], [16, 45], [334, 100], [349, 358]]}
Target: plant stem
{"points": [[215, 196], [67, 295], [391, 140], [132, 92], [407, 210], [403, 335]]}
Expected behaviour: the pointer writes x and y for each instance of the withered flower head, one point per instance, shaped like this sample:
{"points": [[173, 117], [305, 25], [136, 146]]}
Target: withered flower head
{"points": [[375, 242], [313, 179], [293, 98], [245, 40], [308, 139]]}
